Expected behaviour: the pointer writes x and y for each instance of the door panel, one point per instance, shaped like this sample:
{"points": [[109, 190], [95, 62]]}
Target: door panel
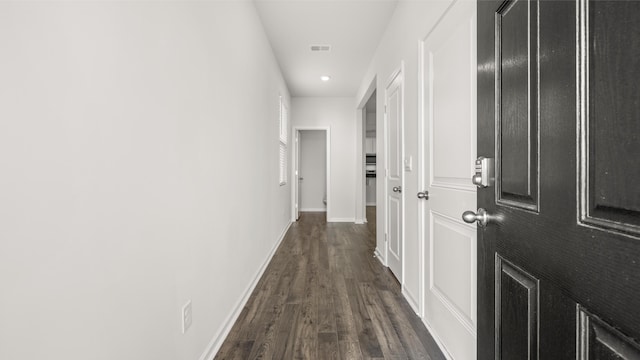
{"points": [[597, 340], [395, 246], [558, 269], [449, 143], [394, 116], [612, 199], [394, 127], [517, 316], [454, 244], [448, 52], [516, 83]]}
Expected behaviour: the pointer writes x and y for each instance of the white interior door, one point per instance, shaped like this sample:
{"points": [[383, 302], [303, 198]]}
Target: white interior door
{"points": [[394, 124], [449, 150], [296, 211]]}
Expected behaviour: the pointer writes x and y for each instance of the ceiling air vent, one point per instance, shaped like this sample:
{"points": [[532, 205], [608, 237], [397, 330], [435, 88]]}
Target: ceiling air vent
{"points": [[321, 48]]}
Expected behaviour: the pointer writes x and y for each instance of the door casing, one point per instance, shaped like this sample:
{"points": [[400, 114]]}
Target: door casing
{"points": [[361, 199]]}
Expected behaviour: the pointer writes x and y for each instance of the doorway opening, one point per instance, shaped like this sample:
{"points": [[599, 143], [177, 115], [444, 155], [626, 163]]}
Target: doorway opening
{"points": [[365, 143], [311, 185], [370, 163]]}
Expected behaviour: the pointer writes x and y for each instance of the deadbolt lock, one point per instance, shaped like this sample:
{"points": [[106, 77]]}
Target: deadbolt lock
{"points": [[484, 171]]}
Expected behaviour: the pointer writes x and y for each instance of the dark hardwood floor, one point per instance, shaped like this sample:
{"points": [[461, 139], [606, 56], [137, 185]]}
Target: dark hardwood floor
{"points": [[324, 296]]}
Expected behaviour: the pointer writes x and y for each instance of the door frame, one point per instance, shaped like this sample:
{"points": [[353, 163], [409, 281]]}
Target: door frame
{"points": [[296, 166], [398, 72], [361, 118], [423, 182], [295, 172]]}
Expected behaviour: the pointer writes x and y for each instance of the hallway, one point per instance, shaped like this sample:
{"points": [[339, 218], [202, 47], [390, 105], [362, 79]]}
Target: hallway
{"points": [[324, 296]]}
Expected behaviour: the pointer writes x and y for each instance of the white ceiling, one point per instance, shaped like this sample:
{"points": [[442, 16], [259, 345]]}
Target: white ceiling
{"points": [[353, 28]]}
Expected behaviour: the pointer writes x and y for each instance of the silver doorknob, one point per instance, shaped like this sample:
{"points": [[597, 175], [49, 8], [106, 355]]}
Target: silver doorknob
{"points": [[482, 217], [397, 189], [423, 195], [477, 180]]}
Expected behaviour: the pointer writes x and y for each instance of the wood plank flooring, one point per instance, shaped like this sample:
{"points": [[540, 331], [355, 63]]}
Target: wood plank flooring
{"points": [[324, 296]]}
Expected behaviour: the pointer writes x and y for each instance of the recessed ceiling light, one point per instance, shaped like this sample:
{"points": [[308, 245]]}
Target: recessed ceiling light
{"points": [[325, 77]]}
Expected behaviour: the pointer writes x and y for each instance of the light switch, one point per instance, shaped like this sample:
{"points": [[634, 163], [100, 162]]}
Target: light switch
{"points": [[408, 163]]}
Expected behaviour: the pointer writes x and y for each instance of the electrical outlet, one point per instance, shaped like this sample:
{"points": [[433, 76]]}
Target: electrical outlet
{"points": [[187, 316]]}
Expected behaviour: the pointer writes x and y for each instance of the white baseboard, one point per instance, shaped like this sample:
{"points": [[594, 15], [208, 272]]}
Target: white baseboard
{"points": [[360, 222], [371, 204], [411, 300], [436, 338], [379, 257], [353, 220], [314, 210], [215, 344]]}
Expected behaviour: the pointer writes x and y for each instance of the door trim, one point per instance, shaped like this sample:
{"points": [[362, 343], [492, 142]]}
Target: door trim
{"points": [[296, 164], [361, 118], [294, 177], [422, 177]]}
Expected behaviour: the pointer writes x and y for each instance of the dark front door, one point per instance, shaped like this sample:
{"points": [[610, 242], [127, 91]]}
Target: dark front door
{"points": [[559, 111]]}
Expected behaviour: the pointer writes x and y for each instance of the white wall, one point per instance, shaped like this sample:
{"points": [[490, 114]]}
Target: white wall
{"points": [[313, 169], [133, 139], [371, 125], [371, 191], [339, 114], [411, 22]]}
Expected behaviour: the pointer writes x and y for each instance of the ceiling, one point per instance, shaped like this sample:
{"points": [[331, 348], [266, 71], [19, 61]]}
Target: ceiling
{"points": [[353, 28]]}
